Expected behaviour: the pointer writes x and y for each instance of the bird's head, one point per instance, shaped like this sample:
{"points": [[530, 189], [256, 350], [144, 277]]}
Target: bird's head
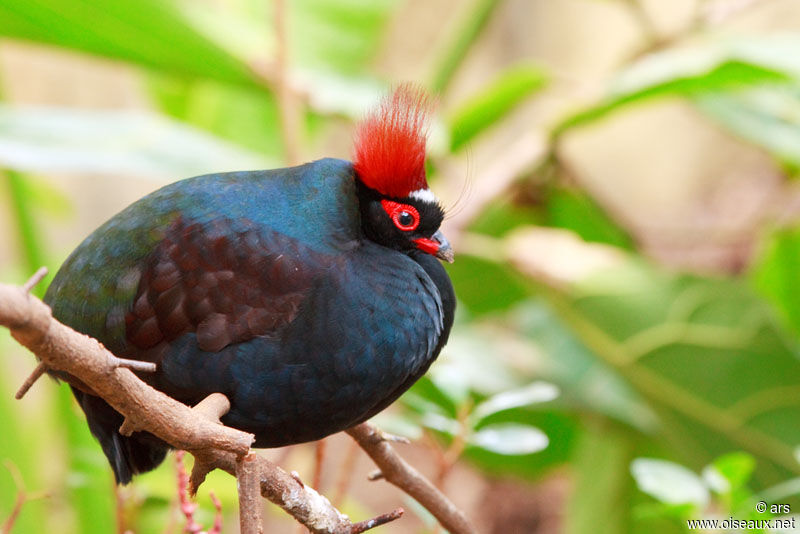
{"points": [[398, 210]]}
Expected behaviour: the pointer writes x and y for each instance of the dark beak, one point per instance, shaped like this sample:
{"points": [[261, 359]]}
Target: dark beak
{"points": [[445, 251]]}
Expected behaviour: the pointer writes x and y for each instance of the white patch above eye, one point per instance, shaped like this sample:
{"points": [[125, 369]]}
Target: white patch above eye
{"points": [[424, 195]]}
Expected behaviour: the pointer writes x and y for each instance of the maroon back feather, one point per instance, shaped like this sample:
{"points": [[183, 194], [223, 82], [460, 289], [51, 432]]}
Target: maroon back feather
{"points": [[220, 284]]}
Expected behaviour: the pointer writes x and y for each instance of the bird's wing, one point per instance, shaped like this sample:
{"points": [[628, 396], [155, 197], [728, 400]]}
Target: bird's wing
{"points": [[226, 256], [227, 281]]}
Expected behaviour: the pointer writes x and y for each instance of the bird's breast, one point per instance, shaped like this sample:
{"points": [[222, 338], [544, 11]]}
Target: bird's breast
{"points": [[365, 329]]}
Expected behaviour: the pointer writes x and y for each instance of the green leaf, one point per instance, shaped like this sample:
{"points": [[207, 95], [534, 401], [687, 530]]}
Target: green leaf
{"points": [[708, 68], [730, 472], [775, 274], [504, 214], [558, 425], [575, 210], [453, 384], [342, 36], [493, 103], [485, 286], [669, 482], [246, 117], [600, 500], [147, 32], [339, 36], [465, 357], [89, 480], [112, 142], [21, 446], [768, 117], [441, 423], [688, 346], [535, 393], [422, 403], [510, 439], [23, 209], [465, 35], [398, 424], [586, 383]]}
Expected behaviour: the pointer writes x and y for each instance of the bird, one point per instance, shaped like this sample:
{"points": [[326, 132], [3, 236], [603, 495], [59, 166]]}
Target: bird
{"points": [[311, 296]]}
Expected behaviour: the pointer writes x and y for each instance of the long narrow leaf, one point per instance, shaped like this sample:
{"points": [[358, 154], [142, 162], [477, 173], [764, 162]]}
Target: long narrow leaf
{"points": [[112, 142], [494, 102], [708, 68], [147, 32]]}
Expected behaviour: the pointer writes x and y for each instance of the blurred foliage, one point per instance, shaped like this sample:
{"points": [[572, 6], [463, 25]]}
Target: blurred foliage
{"points": [[720, 492], [572, 352]]}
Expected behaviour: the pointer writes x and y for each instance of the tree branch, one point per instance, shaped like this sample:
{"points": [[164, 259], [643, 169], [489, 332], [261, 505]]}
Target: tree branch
{"points": [[249, 496], [397, 471], [199, 431]]}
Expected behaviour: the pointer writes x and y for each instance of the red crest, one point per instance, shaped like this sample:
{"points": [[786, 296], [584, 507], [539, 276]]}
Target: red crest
{"points": [[390, 143]]}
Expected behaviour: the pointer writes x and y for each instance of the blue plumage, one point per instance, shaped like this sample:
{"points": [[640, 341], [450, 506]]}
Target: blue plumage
{"points": [[285, 290]]}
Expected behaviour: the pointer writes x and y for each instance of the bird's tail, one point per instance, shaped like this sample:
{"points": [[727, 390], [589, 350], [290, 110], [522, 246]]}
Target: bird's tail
{"points": [[128, 455]]}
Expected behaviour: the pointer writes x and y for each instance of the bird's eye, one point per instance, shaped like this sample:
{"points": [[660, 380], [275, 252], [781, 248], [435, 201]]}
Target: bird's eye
{"points": [[404, 216], [405, 219]]}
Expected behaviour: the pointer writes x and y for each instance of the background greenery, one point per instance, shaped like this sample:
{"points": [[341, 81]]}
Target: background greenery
{"points": [[620, 181]]}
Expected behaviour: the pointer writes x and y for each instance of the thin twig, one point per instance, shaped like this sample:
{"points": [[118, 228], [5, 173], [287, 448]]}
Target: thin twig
{"points": [[188, 508], [706, 16], [319, 461], [648, 27], [456, 447], [288, 104], [133, 365], [37, 277], [461, 42], [19, 502], [345, 473], [119, 507], [35, 375], [217, 527], [398, 472], [382, 519], [522, 155]]}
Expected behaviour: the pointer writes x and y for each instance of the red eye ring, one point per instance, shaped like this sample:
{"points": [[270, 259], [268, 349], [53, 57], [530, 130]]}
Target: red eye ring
{"points": [[396, 211]]}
